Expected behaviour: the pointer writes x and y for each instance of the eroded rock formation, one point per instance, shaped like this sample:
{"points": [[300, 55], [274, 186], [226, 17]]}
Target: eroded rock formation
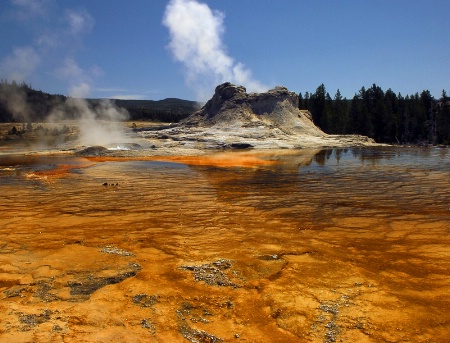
{"points": [[233, 118], [275, 109]]}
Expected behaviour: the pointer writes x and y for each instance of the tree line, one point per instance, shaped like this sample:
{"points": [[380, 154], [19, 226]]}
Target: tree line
{"points": [[23, 104], [386, 117]]}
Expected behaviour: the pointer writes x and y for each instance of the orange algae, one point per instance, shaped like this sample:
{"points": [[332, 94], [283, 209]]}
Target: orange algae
{"points": [[217, 160], [352, 250]]}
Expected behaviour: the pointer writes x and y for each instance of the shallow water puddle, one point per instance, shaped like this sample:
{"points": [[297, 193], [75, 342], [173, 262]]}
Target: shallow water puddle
{"points": [[292, 246]]}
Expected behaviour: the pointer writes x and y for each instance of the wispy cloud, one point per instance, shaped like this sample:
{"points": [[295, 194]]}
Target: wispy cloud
{"points": [[79, 21], [28, 9], [20, 64], [58, 34], [196, 41], [62, 38]]}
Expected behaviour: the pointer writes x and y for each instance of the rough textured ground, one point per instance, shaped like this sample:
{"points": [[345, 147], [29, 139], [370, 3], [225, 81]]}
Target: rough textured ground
{"points": [[286, 246]]}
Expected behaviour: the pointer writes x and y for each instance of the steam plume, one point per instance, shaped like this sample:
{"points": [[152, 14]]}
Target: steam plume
{"points": [[97, 120], [196, 41], [15, 100], [98, 125]]}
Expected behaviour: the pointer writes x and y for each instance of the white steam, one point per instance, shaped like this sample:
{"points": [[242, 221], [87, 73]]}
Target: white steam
{"points": [[98, 121], [15, 100], [98, 124], [196, 41]]}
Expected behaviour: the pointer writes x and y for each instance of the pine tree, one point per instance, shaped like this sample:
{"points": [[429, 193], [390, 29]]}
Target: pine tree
{"points": [[306, 102], [300, 101], [339, 118], [318, 106], [429, 121], [443, 119], [391, 118]]}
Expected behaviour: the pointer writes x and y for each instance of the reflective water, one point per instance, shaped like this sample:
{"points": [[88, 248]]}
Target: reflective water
{"points": [[279, 246]]}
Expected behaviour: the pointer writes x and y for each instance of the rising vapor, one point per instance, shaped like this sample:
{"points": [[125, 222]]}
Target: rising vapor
{"points": [[196, 41], [97, 121]]}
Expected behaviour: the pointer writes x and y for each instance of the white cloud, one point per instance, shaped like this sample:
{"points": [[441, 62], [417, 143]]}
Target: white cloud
{"points": [[27, 9], [47, 40], [79, 21], [20, 64], [53, 42], [196, 41]]}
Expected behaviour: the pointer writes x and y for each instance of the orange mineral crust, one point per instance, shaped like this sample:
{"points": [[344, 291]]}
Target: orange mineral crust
{"points": [[343, 245], [225, 159]]}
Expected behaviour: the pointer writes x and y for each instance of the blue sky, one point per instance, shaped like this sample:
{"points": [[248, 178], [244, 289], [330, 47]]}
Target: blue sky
{"points": [[155, 49]]}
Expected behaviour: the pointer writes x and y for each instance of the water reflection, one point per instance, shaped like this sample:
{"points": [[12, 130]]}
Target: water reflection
{"points": [[420, 157], [349, 172], [356, 240]]}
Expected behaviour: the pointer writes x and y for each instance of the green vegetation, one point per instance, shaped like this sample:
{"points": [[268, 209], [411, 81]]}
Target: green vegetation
{"points": [[384, 116], [168, 110], [21, 103]]}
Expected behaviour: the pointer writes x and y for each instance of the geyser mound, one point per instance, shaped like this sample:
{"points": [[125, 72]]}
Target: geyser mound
{"points": [[232, 118], [274, 109], [111, 149], [96, 150]]}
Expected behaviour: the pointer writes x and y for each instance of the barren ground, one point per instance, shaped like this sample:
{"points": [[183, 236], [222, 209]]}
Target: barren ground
{"points": [[251, 246]]}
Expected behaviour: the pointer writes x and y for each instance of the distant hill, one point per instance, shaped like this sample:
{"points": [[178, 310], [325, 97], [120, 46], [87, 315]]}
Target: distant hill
{"points": [[21, 103], [167, 110]]}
